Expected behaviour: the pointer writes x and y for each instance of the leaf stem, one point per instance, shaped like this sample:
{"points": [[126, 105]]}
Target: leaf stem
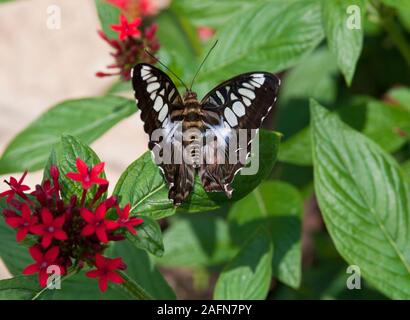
{"points": [[394, 31], [133, 288]]}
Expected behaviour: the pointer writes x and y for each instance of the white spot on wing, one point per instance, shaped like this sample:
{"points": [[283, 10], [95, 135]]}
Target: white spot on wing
{"points": [[152, 86], [171, 94], [259, 80], [152, 79], [146, 67], [248, 85], [233, 97], [230, 117], [220, 96], [238, 108], [163, 113], [158, 103], [144, 72], [247, 93], [246, 101]]}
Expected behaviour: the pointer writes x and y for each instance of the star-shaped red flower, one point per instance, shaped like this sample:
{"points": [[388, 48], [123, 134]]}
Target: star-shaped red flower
{"points": [[97, 224], [125, 222], [23, 223], [42, 262], [127, 29], [50, 228], [106, 271], [16, 187], [87, 176]]}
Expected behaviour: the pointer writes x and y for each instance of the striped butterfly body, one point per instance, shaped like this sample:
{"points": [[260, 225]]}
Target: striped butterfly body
{"points": [[186, 125]]}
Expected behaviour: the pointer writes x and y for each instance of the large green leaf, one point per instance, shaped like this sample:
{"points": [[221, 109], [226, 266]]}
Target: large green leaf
{"points": [[214, 13], [379, 121], [64, 156], [20, 288], [248, 275], [85, 118], [277, 206], [344, 40], [148, 237], [108, 15], [143, 186], [197, 241], [364, 198], [270, 36]]}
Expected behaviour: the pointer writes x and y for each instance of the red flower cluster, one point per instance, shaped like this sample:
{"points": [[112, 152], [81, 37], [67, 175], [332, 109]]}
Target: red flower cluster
{"points": [[134, 37], [69, 234], [136, 8]]}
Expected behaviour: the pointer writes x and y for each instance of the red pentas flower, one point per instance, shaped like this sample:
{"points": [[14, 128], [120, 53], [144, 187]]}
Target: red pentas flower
{"points": [[135, 8], [16, 187], [87, 176], [42, 262], [125, 221], [127, 29], [97, 224], [70, 233], [106, 268], [23, 223], [50, 228], [135, 35]]}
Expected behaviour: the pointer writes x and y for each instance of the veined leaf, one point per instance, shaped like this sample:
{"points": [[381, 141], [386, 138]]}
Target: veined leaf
{"points": [[148, 237], [20, 288], [64, 156], [344, 32], [271, 36], [379, 121], [364, 199], [277, 207], [143, 186], [248, 275], [86, 119]]}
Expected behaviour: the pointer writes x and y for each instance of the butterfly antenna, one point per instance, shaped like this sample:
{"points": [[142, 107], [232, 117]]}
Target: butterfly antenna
{"points": [[157, 60], [202, 63]]}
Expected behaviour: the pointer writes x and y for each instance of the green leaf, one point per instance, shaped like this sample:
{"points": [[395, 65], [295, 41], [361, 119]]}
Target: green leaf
{"points": [[248, 276], [364, 199], [85, 118], [142, 270], [149, 237], [180, 45], [268, 36], [64, 157], [401, 95], [108, 15], [214, 13], [14, 255], [344, 41], [143, 186], [20, 288], [379, 121], [277, 206], [197, 241]]}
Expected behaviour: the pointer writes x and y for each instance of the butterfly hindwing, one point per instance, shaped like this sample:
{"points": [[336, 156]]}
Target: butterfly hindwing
{"points": [[239, 103]]}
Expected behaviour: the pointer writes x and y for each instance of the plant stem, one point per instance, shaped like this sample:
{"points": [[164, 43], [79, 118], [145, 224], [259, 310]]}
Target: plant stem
{"points": [[133, 288], [394, 31]]}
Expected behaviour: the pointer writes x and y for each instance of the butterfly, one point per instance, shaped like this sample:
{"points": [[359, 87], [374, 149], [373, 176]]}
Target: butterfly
{"points": [[241, 102]]}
